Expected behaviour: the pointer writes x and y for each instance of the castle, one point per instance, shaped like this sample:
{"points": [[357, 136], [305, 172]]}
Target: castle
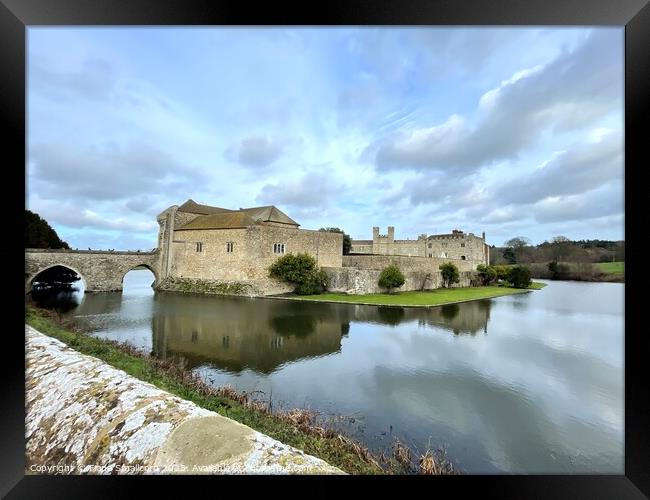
{"points": [[233, 249], [210, 249], [456, 245]]}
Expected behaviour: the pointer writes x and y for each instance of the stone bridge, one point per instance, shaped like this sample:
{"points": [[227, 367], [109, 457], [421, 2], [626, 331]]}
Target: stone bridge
{"points": [[101, 270]]}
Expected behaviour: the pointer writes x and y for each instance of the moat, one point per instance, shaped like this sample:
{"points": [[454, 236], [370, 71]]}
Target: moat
{"points": [[528, 383]]}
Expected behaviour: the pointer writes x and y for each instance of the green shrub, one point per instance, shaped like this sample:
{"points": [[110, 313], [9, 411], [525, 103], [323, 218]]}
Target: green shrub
{"points": [[519, 277], [449, 273], [502, 272], [487, 274], [391, 277], [315, 282], [300, 269]]}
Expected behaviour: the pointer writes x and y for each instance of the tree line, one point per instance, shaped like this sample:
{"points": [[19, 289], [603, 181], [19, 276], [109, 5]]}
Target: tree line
{"points": [[519, 250]]}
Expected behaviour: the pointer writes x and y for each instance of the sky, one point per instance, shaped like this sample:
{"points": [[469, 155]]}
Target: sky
{"points": [[515, 131]]}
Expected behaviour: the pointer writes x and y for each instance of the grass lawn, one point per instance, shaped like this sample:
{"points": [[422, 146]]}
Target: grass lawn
{"points": [[437, 297], [612, 267]]}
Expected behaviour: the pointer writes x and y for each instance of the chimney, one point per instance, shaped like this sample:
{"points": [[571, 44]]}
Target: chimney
{"points": [[483, 235]]}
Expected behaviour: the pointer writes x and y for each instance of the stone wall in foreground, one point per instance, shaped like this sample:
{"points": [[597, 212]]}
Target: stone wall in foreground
{"points": [[85, 417]]}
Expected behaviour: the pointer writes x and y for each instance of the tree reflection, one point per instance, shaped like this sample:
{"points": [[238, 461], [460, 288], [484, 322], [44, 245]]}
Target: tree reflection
{"points": [[392, 316]]}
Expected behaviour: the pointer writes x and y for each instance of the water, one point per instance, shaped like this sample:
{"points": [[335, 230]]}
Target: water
{"points": [[529, 383]]}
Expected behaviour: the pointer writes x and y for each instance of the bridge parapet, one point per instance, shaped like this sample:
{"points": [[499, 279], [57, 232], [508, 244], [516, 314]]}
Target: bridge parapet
{"points": [[110, 252]]}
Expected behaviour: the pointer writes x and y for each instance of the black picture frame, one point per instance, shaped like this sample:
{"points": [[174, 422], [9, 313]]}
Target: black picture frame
{"points": [[17, 15]]}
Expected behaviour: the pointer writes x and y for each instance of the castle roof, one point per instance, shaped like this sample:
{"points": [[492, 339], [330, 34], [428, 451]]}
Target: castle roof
{"points": [[269, 214], [193, 207], [223, 218], [226, 220]]}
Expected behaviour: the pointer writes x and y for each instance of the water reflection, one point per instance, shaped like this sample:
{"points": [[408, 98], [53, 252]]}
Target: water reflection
{"points": [[62, 299], [392, 316], [262, 335], [267, 335]]}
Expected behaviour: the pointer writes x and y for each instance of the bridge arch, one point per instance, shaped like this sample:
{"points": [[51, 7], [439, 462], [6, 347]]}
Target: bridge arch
{"points": [[145, 265], [29, 278], [101, 270]]}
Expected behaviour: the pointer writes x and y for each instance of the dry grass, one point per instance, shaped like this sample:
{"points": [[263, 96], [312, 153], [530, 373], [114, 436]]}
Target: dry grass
{"points": [[435, 464], [401, 453]]}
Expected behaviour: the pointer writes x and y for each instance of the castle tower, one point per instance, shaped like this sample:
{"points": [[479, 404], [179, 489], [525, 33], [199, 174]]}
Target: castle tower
{"points": [[375, 235], [391, 234]]}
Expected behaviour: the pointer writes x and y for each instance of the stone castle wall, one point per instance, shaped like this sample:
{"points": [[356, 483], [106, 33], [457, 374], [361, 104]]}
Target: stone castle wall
{"points": [[405, 264], [361, 281], [471, 247], [360, 273], [460, 246], [252, 255]]}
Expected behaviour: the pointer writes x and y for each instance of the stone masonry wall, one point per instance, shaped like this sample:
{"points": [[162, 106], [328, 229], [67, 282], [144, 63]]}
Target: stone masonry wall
{"points": [[251, 257], [361, 281], [101, 271], [455, 246], [405, 264], [452, 246], [85, 417]]}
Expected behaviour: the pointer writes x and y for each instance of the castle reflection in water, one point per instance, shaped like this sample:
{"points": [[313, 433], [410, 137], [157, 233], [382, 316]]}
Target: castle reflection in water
{"points": [[235, 333], [263, 334]]}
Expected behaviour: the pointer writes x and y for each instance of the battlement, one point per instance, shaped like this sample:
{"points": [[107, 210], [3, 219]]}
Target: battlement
{"points": [[455, 245], [390, 237]]}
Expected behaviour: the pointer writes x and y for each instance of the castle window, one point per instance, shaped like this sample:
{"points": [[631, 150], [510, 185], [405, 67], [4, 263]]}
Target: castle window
{"points": [[462, 244], [430, 254], [462, 257], [278, 248], [429, 245], [229, 246], [199, 246]]}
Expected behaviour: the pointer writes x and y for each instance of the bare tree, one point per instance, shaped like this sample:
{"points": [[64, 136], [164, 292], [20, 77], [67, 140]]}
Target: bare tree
{"points": [[560, 246], [518, 245]]}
